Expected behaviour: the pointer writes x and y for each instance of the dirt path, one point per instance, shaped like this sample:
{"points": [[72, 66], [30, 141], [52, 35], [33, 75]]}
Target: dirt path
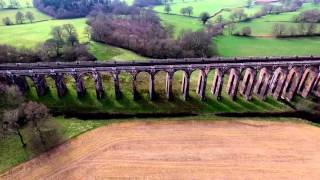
{"points": [[183, 150]]}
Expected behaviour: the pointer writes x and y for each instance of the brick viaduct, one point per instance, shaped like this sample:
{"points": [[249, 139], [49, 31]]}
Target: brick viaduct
{"points": [[279, 77]]}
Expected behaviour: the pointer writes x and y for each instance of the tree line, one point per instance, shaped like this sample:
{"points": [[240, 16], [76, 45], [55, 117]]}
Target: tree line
{"points": [[20, 18], [305, 25]]}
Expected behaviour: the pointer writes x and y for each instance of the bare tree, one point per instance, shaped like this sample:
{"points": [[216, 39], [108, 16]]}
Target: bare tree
{"points": [[19, 17], [167, 8], [30, 16], [219, 19], [238, 14], [293, 31], [278, 30], [87, 32], [231, 27], [189, 10], [58, 36]]}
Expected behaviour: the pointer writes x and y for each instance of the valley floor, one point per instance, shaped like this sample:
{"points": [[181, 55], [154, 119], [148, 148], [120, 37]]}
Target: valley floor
{"points": [[184, 149]]}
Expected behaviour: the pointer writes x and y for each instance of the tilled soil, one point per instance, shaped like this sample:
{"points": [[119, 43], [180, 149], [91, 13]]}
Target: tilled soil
{"points": [[183, 150]]}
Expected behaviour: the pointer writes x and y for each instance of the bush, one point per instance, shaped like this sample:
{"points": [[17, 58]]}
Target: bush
{"points": [[246, 31], [7, 21], [50, 133]]}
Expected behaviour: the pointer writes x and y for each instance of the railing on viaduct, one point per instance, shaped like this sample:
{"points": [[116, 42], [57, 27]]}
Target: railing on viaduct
{"points": [[280, 77]]}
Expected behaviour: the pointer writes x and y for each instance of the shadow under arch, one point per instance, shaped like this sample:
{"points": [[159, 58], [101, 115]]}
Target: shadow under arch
{"points": [[160, 83], [145, 88]]}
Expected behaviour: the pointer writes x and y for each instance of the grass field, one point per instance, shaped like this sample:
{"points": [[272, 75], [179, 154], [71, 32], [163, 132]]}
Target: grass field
{"points": [[230, 46], [181, 23], [210, 6], [30, 35], [264, 25]]}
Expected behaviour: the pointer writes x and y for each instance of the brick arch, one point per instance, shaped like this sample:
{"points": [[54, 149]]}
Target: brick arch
{"points": [[262, 84], [247, 83], [307, 81], [292, 83], [233, 82], [277, 82]]}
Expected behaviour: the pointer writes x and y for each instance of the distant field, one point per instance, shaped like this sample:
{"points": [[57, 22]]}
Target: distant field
{"points": [[263, 25], [210, 6], [242, 46], [181, 23], [22, 3], [30, 35], [11, 14]]}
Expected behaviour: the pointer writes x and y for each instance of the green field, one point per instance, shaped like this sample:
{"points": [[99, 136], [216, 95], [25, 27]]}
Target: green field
{"points": [[263, 25], [11, 14], [30, 35], [210, 6], [230, 46], [181, 23]]}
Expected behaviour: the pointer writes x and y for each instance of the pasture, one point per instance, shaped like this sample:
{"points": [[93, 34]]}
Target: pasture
{"points": [[231, 46]]}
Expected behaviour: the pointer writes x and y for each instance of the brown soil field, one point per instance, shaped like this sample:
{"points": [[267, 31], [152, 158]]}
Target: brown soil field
{"points": [[238, 149]]}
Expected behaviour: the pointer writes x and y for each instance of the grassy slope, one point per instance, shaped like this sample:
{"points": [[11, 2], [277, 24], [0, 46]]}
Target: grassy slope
{"points": [[11, 152], [127, 105], [29, 35]]}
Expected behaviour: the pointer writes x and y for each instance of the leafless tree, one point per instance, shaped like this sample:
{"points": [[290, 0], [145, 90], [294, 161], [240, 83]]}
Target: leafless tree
{"points": [[19, 17], [30, 16]]}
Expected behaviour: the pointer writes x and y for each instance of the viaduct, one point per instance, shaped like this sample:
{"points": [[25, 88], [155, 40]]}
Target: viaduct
{"points": [[279, 77]]}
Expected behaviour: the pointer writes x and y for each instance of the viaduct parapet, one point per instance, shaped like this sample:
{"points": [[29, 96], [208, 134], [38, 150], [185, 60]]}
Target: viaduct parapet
{"points": [[279, 77]]}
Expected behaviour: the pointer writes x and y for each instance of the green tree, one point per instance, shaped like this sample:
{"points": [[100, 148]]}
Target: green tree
{"points": [[204, 17]]}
